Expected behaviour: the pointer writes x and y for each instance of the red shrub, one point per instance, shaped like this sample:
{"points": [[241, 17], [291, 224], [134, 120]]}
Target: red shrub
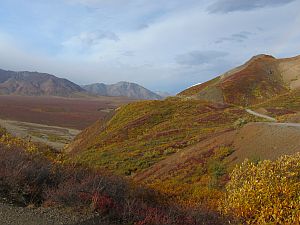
{"points": [[154, 216], [102, 203]]}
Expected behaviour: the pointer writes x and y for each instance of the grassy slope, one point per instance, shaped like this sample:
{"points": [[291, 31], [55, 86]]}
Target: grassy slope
{"points": [[143, 134], [196, 175], [181, 145], [285, 107], [288, 101]]}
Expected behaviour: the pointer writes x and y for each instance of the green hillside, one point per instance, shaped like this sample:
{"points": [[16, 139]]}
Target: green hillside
{"points": [[141, 134]]}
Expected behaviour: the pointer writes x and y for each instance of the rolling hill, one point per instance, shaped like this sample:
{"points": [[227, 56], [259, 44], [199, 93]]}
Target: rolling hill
{"points": [[184, 146], [127, 89], [261, 78], [36, 84]]}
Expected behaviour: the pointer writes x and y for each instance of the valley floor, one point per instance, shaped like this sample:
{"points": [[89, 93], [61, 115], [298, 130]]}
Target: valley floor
{"points": [[53, 136]]}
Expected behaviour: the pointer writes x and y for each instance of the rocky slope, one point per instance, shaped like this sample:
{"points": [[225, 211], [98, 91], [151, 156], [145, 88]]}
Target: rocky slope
{"points": [[36, 84], [126, 89]]}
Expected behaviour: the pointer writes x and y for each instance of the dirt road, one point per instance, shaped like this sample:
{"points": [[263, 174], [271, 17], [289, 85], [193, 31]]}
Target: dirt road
{"points": [[272, 119], [260, 115]]}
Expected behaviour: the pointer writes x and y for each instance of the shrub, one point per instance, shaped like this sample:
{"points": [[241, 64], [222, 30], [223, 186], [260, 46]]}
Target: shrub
{"points": [[169, 151], [265, 192], [27, 178], [240, 122], [32, 177], [23, 176], [216, 169]]}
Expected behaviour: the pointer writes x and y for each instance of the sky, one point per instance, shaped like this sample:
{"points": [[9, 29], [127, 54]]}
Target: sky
{"points": [[164, 45]]}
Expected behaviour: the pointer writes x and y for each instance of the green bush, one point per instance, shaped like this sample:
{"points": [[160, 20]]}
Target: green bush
{"points": [[240, 122]]}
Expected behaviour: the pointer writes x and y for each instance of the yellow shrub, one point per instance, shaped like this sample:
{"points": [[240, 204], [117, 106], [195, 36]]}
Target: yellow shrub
{"points": [[9, 140], [265, 193]]}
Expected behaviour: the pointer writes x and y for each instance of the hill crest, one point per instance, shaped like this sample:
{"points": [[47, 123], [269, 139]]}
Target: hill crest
{"points": [[261, 78]]}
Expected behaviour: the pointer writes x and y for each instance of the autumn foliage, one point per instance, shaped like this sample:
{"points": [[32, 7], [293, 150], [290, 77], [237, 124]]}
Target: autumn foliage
{"points": [[265, 193], [32, 178]]}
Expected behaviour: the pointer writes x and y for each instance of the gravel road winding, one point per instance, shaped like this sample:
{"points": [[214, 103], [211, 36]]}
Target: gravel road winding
{"points": [[260, 115], [275, 123]]}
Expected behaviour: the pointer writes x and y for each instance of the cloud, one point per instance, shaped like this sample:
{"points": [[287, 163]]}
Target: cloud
{"points": [[195, 58], [147, 42], [237, 37], [226, 6], [90, 39], [128, 53], [97, 2]]}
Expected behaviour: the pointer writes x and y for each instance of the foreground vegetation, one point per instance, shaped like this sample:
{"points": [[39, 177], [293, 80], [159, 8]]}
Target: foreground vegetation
{"points": [[143, 134], [29, 176], [267, 192], [264, 192]]}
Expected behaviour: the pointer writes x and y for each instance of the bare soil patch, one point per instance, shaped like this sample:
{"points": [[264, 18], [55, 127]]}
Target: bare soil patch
{"points": [[255, 141], [265, 141]]}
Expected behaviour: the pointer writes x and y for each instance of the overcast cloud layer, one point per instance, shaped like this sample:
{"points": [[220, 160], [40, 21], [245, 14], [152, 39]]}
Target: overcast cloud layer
{"points": [[165, 45]]}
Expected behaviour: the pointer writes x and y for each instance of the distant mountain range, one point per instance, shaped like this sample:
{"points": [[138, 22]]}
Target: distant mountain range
{"points": [[36, 84], [42, 84], [127, 89]]}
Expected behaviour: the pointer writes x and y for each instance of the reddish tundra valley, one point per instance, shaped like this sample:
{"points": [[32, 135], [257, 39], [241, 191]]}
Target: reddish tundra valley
{"points": [[76, 113]]}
